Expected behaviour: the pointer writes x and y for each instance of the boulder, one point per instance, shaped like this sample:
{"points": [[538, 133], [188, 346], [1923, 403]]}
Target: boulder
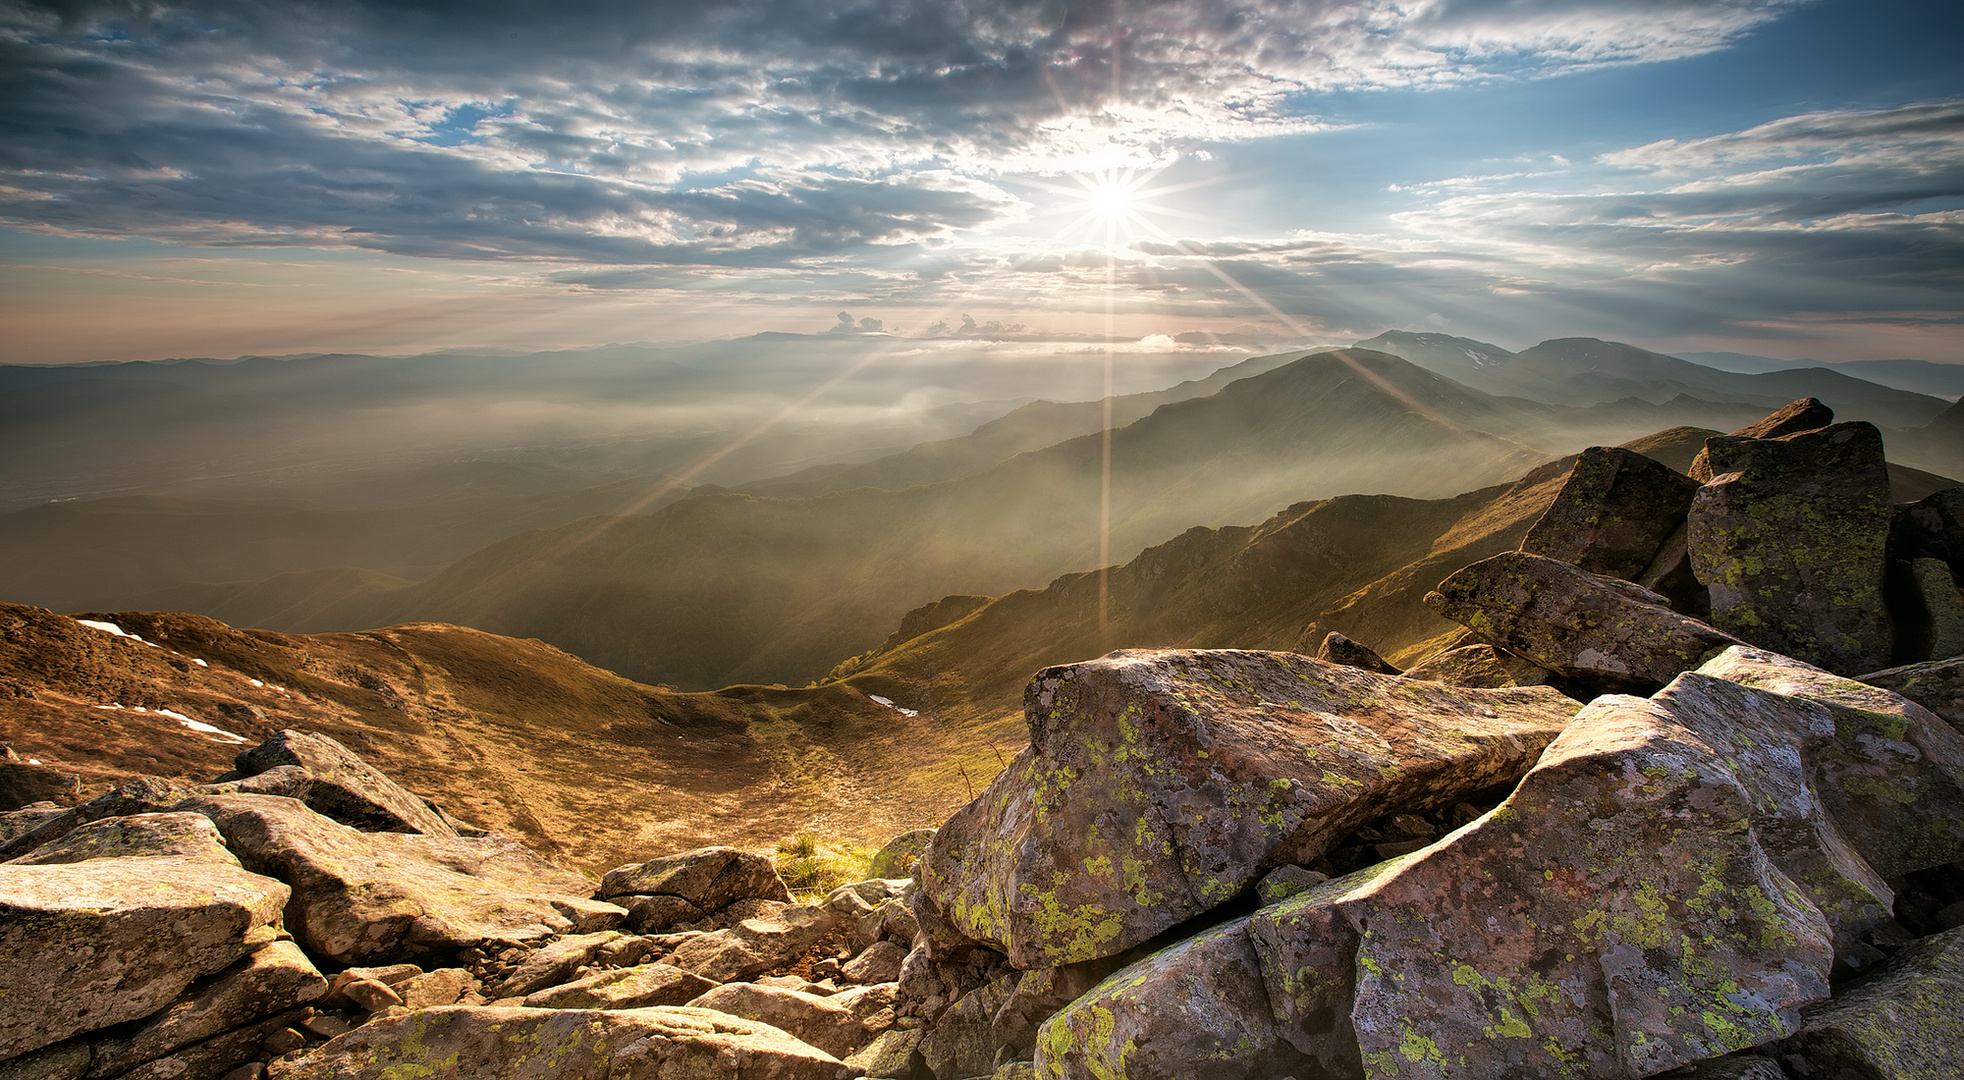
{"points": [[66, 1061], [144, 795], [1901, 1022], [653, 914], [1338, 649], [1937, 685], [757, 944], [565, 1044], [219, 1054], [335, 783], [444, 986], [275, 979], [1603, 633], [132, 835], [829, 1026], [1931, 526], [552, 964], [1667, 885], [85, 945], [32, 816], [1479, 665], [1806, 414], [894, 1053], [1790, 537], [1943, 606], [711, 878], [962, 1042], [878, 963], [628, 988], [897, 858], [1613, 514], [1160, 784], [369, 897]]}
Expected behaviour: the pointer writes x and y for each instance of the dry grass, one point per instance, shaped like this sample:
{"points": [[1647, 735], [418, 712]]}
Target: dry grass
{"points": [[812, 866]]}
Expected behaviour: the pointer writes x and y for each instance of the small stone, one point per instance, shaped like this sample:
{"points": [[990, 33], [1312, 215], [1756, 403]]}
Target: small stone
{"points": [[326, 1026], [370, 995], [284, 1041]]}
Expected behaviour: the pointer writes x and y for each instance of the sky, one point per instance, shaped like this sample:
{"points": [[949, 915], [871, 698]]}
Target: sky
{"points": [[225, 177]]}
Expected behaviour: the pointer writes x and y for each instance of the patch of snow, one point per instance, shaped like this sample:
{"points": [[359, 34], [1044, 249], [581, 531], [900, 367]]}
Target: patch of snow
{"points": [[200, 725], [112, 628], [200, 663], [139, 708], [888, 702], [255, 682], [34, 761]]}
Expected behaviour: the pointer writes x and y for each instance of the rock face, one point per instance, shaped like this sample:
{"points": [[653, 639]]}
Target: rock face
{"points": [[565, 1044], [1479, 665], [1602, 632], [709, 878], [1613, 514], [1790, 537], [334, 782], [1159, 785], [87, 944], [274, 979], [1900, 1023], [368, 897], [1672, 882]]}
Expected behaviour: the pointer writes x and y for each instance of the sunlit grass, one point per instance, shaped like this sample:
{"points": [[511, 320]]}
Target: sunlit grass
{"points": [[812, 866]]}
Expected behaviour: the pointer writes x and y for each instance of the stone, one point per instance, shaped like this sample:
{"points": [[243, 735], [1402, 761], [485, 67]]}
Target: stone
{"points": [[334, 782], [67, 1061], [131, 835], [144, 795], [251, 1070], [756, 945], [275, 979], [1601, 632], [567, 1044], [627, 988], [552, 964], [893, 1054], [1932, 526], [219, 1054], [444, 986], [1015, 1070], [1937, 685], [1286, 881], [1667, 885], [868, 1003], [1901, 1022], [89, 944], [28, 818], [1338, 649], [710, 878], [326, 1026], [962, 1041], [283, 1040], [1790, 536], [879, 963], [624, 952], [819, 1021], [1613, 514], [1479, 665], [1806, 414], [363, 898], [371, 996], [1161, 784], [1943, 602], [897, 858]]}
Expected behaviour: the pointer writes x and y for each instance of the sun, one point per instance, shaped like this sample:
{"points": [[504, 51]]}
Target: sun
{"points": [[1110, 199]]}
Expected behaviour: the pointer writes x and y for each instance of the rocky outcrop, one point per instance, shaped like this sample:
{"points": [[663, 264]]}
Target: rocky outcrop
{"points": [[1790, 535], [1900, 1023], [626, 988], [1159, 785], [275, 979], [1338, 649], [1479, 665], [1806, 414], [333, 782], [1599, 632], [1613, 514]]}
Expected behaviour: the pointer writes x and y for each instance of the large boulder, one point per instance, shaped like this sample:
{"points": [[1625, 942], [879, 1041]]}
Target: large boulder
{"points": [[84, 945], [369, 897], [1900, 1023], [625, 988], [131, 835], [144, 795], [1790, 538], [1601, 632], [565, 1044], [1805, 414], [710, 878], [274, 979], [816, 1020], [1160, 784], [769, 939], [1669, 884], [334, 782], [1937, 685], [1613, 513]]}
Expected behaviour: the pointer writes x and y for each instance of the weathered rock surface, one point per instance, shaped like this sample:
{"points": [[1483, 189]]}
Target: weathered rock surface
{"points": [[1338, 649], [628, 988], [1603, 632], [1479, 665], [1900, 1023], [1160, 784], [1790, 536], [878, 963], [366, 897], [816, 1020], [553, 964], [1806, 414], [710, 878], [1669, 884], [339, 785], [88, 944], [272, 980], [219, 1054], [897, 858], [1613, 513], [1932, 526], [67, 1061], [1943, 606], [566, 1044], [144, 795], [652, 914], [132, 835], [1937, 685], [756, 944]]}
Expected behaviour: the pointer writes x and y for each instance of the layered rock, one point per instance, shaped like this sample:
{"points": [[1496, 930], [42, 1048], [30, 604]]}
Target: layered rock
{"points": [[332, 781], [1790, 537], [1601, 632], [1158, 785], [273, 980], [1805, 414]]}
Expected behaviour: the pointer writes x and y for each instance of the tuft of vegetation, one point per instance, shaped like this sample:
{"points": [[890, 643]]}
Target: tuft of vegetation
{"points": [[812, 866]]}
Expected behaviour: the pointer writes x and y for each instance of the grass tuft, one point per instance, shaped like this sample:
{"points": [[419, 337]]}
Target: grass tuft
{"points": [[812, 866]]}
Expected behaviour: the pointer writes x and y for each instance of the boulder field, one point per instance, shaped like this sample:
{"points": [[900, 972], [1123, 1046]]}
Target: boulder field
{"points": [[1666, 809]]}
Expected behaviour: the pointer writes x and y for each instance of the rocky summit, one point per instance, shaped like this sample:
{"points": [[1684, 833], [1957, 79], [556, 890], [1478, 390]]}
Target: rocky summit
{"points": [[1685, 799]]}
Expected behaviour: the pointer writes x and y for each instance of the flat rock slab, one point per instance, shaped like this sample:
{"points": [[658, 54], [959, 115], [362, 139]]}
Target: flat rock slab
{"points": [[132, 835], [1666, 886], [710, 878], [1613, 513], [337, 783], [1789, 537], [464, 1043], [144, 795], [363, 898], [1160, 784], [1900, 1023], [88, 944], [830, 1027], [756, 944], [274, 979], [1601, 631], [1937, 685], [628, 988]]}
